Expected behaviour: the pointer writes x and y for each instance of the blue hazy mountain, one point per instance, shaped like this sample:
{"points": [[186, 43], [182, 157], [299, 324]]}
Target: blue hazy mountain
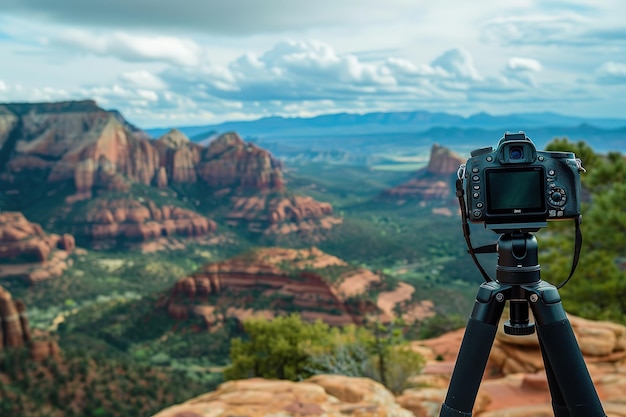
{"points": [[392, 122], [349, 137]]}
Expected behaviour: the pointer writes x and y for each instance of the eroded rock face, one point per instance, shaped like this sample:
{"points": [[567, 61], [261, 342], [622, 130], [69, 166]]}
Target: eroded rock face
{"points": [[322, 395], [135, 220], [432, 184], [318, 285], [28, 252]]}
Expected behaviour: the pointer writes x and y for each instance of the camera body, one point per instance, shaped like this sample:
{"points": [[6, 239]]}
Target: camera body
{"points": [[516, 183]]}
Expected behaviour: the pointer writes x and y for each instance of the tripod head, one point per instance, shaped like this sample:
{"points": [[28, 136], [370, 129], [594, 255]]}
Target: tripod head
{"points": [[518, 264]]}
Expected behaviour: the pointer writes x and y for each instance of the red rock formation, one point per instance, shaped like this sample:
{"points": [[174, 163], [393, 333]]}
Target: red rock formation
{"points": [[281, 214], [139, 221], [229, 162], [97, 150], [26, 251], [443, 161], [287, 279], [178, 156], [434, 183]]}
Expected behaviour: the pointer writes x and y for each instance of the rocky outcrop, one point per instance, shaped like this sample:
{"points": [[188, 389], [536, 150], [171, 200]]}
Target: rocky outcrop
{"points": [[27, 252], [134, 220], [433, 184], [273, 281], [282, 214], [322, 395]]}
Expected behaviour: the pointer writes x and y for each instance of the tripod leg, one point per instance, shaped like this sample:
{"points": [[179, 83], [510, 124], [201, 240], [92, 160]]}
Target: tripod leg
{"points": [[474, 352], [558, 402], [562, 355]]}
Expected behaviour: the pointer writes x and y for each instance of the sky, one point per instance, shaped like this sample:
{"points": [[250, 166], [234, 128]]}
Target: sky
{"points": [[194, 62]]}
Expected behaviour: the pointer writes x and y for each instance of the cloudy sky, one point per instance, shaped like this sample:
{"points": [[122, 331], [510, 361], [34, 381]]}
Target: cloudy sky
{"points": [[185, 62]]}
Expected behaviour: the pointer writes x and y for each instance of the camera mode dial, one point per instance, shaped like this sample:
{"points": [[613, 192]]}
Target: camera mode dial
{"points": [[557, 197]]}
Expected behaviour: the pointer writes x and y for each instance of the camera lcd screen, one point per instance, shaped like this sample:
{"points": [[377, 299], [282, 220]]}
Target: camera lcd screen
{"points": [[516, 191]]}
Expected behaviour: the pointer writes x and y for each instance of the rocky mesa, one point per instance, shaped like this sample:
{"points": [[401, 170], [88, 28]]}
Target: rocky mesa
{"points": [[272, 281]]}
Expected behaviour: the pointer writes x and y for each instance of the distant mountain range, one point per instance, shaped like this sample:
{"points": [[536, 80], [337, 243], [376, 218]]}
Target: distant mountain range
{"points": [[417, 121], [344, 131]]}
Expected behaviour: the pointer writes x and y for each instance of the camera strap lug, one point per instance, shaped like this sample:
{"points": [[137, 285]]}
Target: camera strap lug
{"points": [[579, 165]]}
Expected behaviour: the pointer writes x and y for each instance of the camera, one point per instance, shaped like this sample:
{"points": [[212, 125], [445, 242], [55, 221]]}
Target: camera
{"points": [[516, 183]]}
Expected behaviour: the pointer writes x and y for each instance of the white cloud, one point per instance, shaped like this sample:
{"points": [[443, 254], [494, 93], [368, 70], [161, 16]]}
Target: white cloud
{"points": [[524, 64], [142, 79], [457, 63], [131, 47]]}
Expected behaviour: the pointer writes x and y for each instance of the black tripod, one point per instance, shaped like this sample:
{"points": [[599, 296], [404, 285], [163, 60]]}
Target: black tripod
{"points": [[518, 281]]}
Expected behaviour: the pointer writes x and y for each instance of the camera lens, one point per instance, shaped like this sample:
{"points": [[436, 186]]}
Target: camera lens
{"points": [[516, 152]]}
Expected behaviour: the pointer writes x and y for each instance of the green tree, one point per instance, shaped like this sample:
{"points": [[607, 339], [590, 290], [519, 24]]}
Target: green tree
{"points": [[598, 288], [278, 348]]}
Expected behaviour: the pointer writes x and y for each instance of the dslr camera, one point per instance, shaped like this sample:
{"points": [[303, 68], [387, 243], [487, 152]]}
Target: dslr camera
{"points": [[516, 183]]}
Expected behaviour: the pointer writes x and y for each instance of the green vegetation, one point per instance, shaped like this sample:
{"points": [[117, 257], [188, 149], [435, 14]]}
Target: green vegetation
{"points": [[84, 383], [288, 348], [598, 288]]}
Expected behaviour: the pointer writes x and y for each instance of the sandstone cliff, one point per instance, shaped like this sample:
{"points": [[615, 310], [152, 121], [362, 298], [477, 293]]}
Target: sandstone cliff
{"points": [[27, 252], [274, 281], [434, 184]]}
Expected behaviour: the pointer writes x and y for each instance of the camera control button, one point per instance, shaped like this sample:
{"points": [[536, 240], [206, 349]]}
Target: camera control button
{"points": [[476, 195], [477, 187], [479, 205], [475, 170], [477, 214], [489, 158], [475, 178], [551, 172]]}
